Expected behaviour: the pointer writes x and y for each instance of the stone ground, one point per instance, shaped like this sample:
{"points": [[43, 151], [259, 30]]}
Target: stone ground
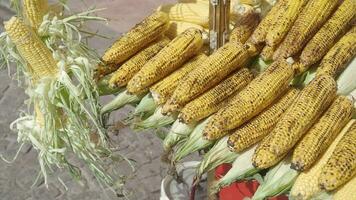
{"points": [[16, 179]]}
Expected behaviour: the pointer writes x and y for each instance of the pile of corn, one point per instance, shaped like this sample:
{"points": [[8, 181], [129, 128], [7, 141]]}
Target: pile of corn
{"points": [[277, 96]]}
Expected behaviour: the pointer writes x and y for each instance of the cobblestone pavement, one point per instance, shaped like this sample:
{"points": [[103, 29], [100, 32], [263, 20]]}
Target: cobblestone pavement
{"points": [[16, 179]]}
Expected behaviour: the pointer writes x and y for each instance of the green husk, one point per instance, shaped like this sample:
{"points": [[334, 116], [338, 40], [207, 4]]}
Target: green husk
{"points": [[217, 155], [178, 132], [146, 107], [259, 65], [120, 101], [277, 181], [69, 103], [346, 81], [157, 120], [241, 168], [194, 143], [104, 88]]}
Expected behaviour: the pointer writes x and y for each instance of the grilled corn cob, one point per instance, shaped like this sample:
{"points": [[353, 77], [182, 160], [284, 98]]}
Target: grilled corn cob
{"points": [[35, 10], [196, 13], [307, 183], [253, 131], [311, 18], [322, 134], [286, 18], [259, 94], [341, 166], [335, 61], [171, 57], [124, 74], [210, 101], [313, 100], [177, 27], [163, 90], [220, 64], [244, 27], [267, 53], [324, 39], [137, 38], [347, 191], [32, 49], [260, 33], [262, 157]]}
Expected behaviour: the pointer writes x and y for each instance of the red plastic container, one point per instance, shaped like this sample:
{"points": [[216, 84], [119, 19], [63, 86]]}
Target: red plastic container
{"points": [[238, 190]]}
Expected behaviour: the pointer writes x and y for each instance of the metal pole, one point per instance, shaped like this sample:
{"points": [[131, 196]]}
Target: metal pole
{"points": [[219, 13]]}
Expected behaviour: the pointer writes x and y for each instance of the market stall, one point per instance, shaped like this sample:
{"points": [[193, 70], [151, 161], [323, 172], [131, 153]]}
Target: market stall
{"points": [[263, 90]]}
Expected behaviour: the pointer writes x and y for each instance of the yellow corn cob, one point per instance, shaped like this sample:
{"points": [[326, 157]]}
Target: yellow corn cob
{"points": [[347, 191], [324, 39], [220, 64], [32, 49], [137, 38], [262, 157], [244, 27], [171, 57], [320, 136], [209, 102], [177, 27], [341, 166], [311, 18], [124, 74], [313, 100], [255, 130], [267, 53], [285, 20], [259, 94], [259, 35], [196, 13], [163, 90], [307, 183], [35, 10], [335, 61]]}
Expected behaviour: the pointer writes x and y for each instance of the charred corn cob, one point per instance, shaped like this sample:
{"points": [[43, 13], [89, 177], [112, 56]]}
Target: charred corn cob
{"points": [[347, 191], [260, 33], [335, 61], [163, 90], [313, 100], [220, 64], [259, 94], [196, 13], [286, 18], [32, 49], [320, 136], [253, 131], [267, 53], [171, 57], [124, 74], [341, 166], [307, 183], [244, 27], [177, 27], [209, 102], [262, 157], [324, 39], [35, 10], [311, 18], [137, 38]]}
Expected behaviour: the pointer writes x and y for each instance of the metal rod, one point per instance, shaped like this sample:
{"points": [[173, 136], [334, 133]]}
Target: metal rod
{"points": [[219, 17]]}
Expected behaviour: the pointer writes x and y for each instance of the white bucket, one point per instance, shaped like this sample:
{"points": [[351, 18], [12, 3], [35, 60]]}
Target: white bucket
{"points": [[172, 190]]}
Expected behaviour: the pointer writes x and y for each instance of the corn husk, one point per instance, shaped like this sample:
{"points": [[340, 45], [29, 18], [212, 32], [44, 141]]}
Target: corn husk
{"points": [[146, 107], [346, 81], [277, 181], [177, 133], [194, 143], [217, 155], [120, 101], [241, 168], [104, 88], [157, 120]]}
